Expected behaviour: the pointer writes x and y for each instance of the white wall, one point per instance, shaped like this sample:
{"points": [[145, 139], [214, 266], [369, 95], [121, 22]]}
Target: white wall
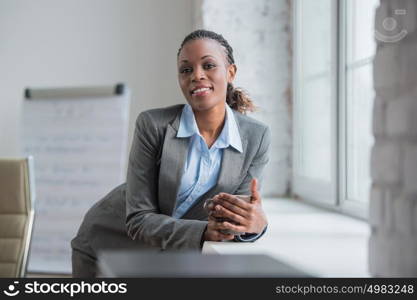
{"points": [[393, 203], [49, 43]]}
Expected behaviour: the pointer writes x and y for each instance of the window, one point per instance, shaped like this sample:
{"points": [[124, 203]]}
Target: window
{"points": [[333, 97], [314, 106]]}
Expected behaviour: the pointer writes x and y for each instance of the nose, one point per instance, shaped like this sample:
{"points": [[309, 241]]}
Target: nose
{"points": [[198, 74]]}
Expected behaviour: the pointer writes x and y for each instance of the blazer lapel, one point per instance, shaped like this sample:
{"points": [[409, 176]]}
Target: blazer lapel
{"points": [[231, 169], [172, 165]]}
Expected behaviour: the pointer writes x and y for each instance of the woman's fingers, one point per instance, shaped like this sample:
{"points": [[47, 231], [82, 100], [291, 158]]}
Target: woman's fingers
{"points": [[254, 191], [239, 203], [237, 214], [227, 225], [230, 208], [223, 212], [213, 231]]}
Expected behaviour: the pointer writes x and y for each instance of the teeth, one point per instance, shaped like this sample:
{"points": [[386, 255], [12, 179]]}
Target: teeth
{"points": [[200, 90]]}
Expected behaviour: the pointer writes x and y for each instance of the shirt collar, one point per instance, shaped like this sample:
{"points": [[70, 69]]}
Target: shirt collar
{"points": [[188, 125], [228, 137]]}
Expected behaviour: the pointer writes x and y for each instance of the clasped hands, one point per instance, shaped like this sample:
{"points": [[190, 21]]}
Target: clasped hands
{"points": [[245, 217]]}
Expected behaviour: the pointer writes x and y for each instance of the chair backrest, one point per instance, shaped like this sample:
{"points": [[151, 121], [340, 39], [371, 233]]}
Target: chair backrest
{"points": [[17, 197]]}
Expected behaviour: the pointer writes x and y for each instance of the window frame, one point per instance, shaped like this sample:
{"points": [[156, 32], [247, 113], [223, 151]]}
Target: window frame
{"points": [[331, 195], [348, 206]]}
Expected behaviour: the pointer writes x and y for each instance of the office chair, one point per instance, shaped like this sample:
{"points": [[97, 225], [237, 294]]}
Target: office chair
{"points": [[17, 197]]}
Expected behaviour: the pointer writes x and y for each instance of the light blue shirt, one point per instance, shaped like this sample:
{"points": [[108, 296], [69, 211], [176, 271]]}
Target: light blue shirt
{"points": [[202, 165]]}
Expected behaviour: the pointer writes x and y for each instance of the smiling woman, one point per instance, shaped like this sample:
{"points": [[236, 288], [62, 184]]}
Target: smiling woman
{"points": [[205, 133], [185, 154]]}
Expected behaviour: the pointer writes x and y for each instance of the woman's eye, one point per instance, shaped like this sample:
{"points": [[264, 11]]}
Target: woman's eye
{"points": [[209, 66], [185, 70]]}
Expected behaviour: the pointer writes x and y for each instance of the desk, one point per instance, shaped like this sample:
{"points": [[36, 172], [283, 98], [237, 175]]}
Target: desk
{"points": [[119, 263], [320, 242]]}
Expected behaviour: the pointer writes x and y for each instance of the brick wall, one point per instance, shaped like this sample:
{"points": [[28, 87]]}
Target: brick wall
{"points": [[393, 203], [259, 33]]}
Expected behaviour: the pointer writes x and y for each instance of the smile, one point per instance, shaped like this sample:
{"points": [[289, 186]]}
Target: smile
{"points": [[201, 91]]}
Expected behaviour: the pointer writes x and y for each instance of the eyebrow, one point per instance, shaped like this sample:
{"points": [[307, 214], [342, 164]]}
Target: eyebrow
{"points": [[203, 57]]}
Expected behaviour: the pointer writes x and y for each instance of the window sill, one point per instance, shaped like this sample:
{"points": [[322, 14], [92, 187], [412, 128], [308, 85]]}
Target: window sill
{"points": [[317, 241]]}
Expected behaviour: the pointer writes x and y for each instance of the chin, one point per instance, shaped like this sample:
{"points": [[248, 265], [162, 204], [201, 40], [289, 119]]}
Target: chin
{"points": [[203, 104]]}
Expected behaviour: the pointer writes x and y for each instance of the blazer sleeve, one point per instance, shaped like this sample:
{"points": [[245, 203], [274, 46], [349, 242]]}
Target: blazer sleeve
{"points": [[144, 221], [255, 171]]}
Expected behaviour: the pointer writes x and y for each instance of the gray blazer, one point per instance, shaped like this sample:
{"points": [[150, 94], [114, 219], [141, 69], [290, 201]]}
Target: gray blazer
{"points": [[103, 227], [145, 203], [155, 169]]}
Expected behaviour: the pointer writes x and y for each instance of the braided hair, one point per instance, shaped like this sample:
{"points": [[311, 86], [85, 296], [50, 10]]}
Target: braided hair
{"points": [[236, 98]]}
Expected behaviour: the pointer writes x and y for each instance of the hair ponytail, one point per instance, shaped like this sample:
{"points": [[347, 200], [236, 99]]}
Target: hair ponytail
{"points": [[239, 100]]}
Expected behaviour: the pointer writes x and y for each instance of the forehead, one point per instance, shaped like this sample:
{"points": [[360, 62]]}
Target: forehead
{"points": [[195, 50]]}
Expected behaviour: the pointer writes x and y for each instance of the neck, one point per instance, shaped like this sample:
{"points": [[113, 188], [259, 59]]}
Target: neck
{"points": [[210, 122]]}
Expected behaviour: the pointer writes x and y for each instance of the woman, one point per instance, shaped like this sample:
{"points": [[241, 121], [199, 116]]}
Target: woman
{"points": [[181, 156], [206, 149]]}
